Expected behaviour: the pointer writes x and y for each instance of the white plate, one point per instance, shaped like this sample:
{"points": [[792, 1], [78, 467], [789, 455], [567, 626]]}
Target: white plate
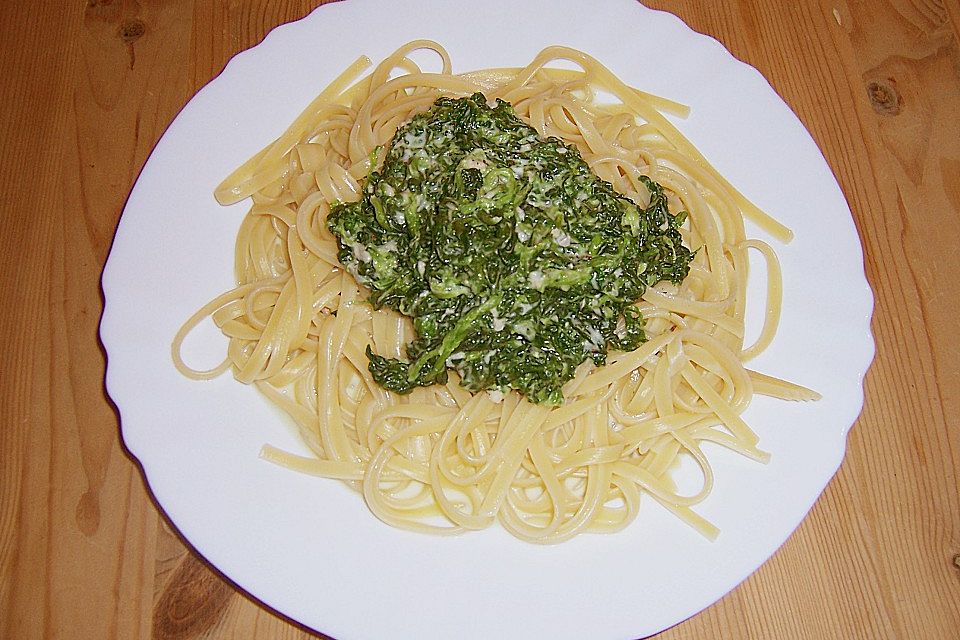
{"points": [[307, 546]]}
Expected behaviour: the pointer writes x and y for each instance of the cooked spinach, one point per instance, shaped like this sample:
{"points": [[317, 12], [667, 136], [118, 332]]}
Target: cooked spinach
{"points": [[515, 262]]}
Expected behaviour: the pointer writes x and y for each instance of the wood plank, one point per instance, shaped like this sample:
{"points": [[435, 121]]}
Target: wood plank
{"points": [[89, 89]]}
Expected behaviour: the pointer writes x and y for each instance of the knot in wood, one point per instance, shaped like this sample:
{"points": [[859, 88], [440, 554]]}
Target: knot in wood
{"points": [[130, 30], [193, 601], [884, 98]]}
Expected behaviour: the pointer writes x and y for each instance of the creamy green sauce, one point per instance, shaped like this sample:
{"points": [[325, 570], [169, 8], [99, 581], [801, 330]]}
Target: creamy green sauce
{"points": [[515, 262]]}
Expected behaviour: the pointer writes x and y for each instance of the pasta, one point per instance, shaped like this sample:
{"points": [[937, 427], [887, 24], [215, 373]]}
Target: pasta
{"points": [[443, 460]]}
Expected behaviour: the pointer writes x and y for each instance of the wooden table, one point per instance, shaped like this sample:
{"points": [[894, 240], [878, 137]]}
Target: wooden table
{"points": [[87, 89]]}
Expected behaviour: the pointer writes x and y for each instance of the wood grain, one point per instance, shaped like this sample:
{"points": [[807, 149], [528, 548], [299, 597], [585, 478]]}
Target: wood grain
{"points": [[89, 87]]}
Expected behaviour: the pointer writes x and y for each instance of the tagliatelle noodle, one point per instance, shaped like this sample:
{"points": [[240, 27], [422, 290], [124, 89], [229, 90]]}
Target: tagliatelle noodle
{"points": [[442, 459]]}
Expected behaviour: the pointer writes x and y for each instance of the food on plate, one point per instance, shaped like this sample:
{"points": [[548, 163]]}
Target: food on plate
{"points": [[509, 295], [515, 262]]}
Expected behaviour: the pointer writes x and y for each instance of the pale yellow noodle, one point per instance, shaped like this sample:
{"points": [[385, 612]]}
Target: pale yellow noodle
{"points": [[444, 460]]}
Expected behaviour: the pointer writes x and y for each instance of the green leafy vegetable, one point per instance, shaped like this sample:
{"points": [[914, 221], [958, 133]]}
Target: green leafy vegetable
{"points": [[514, 260]]}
